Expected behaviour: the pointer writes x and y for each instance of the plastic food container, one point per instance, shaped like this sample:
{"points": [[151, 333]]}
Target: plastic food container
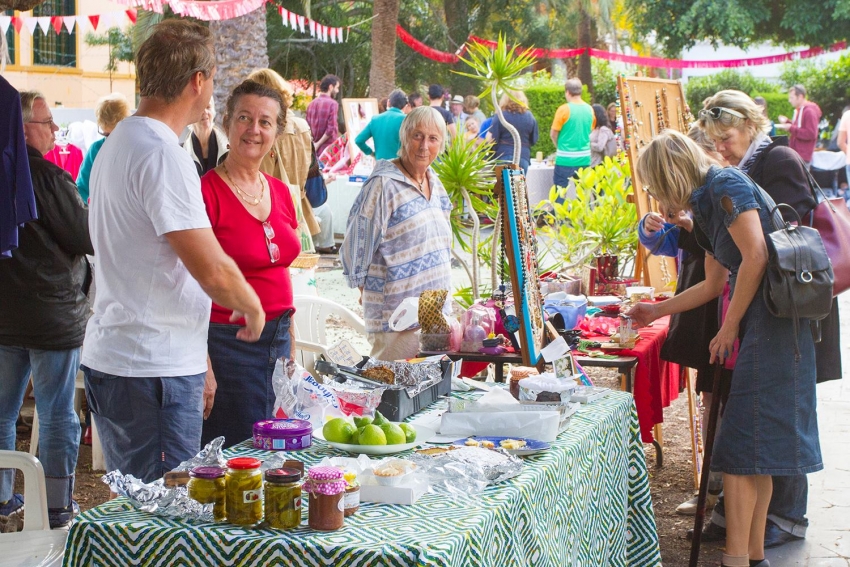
{"points": [[640, 292], [283, 434]]}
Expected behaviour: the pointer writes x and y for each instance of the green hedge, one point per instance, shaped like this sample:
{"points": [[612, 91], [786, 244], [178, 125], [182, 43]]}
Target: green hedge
{"points": [[544, 102], [777, 104], [700, 88]]}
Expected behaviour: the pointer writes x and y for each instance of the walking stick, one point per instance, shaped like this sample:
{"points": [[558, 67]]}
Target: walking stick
{"points": [[706, 462]]}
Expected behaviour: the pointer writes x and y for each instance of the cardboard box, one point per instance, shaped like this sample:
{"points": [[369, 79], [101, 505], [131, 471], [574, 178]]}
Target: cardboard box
{"points": [[406, 493]]}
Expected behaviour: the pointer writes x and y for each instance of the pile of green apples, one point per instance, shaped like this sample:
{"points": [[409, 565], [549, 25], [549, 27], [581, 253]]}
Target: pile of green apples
{"points": [[367, 430]]}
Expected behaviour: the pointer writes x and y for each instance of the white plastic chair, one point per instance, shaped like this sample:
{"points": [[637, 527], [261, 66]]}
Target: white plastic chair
{"points": [[37, 544], [311, 314], [98, 462]]}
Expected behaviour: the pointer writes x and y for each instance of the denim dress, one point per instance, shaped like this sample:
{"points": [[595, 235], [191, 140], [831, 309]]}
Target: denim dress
{"points": [[769, 424]]}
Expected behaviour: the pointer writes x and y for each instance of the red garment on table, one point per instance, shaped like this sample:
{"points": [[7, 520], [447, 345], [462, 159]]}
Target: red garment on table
{"points": [[243, 239], [69, 158], [656, 381]]}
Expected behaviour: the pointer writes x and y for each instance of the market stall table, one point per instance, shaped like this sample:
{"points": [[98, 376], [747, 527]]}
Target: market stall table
{"points": [[585, 501]]}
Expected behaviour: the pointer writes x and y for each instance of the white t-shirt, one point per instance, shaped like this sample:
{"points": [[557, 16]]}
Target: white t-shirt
{"points": [[150, 315]]}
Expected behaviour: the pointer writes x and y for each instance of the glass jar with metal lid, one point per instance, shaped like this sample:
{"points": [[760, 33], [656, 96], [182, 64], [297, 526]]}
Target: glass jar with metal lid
{"points": [[207, 486], [244, 491], [282, 491]]}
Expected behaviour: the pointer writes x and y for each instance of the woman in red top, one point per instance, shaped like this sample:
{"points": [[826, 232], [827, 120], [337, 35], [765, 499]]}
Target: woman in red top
{"points": [[253, 217]]}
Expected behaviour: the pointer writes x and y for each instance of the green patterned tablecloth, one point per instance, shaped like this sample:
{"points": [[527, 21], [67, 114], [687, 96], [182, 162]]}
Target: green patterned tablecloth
{"points": [[584, 502]]}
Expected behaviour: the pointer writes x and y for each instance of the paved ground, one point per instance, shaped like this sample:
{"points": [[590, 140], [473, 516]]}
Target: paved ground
{"points": [[827, 542]]}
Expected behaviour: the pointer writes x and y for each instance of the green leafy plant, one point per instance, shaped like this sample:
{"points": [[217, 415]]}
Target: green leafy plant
{"points": [[499, 69], [600, 220], [466, 171]]}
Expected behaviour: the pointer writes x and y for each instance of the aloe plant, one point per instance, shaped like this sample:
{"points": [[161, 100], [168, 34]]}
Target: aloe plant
{"points": [[499, 69], [466, 171]]}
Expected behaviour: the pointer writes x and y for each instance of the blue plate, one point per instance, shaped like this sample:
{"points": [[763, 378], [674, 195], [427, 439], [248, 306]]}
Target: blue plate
{"points": [[531, 447]]}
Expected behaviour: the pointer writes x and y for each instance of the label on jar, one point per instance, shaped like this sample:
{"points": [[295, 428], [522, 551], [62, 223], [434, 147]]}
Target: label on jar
{"points": [[251, 496], [352, 499], [279, 444], [296, 503], [341, 505]]}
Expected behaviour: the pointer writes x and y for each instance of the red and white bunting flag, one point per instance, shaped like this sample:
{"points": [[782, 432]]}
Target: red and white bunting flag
{"points": [[5, 22], [312, 28], [93, 20], [301, 23], [56, 23], [293, 20], [44, 23], [69, 21]]}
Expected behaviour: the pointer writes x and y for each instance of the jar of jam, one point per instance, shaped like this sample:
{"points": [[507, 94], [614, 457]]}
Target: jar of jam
{"points": [[207, 486], [283, 498], [244, 491], [351, 500], [326, 489]]}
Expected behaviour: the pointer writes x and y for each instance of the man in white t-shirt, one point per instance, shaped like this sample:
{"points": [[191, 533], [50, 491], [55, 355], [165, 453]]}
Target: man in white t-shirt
{"points": [[157, 266]]}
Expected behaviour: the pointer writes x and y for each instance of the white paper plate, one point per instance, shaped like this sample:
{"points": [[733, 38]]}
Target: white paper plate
{"points": [[423, 434]]}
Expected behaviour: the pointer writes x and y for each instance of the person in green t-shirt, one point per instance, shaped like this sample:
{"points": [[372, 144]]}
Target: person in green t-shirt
{"points": [[383, 129], [570, 133]]}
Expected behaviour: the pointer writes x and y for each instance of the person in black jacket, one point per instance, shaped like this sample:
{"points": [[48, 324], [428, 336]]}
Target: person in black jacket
{"points": [[43, 315], [738, 127]]}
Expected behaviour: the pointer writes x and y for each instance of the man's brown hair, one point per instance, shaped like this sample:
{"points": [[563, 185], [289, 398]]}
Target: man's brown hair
{"points": [[171, 55]]}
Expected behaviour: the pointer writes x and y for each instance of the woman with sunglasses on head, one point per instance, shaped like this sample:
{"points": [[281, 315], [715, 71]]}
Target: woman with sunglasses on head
{"points": [[253, 216], [738, 127], [770, 424]]}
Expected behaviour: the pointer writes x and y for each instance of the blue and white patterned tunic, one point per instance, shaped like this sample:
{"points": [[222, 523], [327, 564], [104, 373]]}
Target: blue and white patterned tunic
{"points": [[397, 244]]}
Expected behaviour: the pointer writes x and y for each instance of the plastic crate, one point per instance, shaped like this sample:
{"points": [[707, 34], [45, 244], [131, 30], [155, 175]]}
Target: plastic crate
{"points": [[397, 405]]}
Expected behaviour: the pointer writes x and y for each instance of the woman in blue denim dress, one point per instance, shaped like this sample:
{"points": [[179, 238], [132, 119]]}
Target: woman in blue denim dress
{"points": [[770, 423]]}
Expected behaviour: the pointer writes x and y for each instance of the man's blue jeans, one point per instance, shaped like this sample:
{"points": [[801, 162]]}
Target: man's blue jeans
{"points": [[53, 375], [147, 426]]}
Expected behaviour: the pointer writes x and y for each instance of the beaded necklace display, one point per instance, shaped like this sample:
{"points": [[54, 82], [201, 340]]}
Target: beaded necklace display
{"points": [[247, 197]]}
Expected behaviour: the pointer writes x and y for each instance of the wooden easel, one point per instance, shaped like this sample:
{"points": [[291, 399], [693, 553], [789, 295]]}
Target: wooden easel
{"points": [[649, 106]]}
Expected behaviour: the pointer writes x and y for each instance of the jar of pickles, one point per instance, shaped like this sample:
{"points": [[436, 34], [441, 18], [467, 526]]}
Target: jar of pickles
{"points": [[207, 486], [326, 489], [244, 491], [283, 498]]}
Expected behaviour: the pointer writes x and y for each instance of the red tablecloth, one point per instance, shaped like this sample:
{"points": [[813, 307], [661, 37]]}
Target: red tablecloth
{"points": [[656, 381]]}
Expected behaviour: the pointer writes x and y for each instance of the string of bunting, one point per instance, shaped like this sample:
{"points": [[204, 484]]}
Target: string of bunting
{"points": [[319, 31], [56, 23], [656, 62]]}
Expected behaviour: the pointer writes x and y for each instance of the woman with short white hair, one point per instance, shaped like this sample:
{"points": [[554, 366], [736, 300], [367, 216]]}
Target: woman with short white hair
{"points": [[398, 239]]}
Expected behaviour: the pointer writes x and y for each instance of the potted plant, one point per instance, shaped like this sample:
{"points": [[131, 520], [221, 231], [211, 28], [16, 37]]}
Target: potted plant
{"points": [[499, 70], [466, 171], [599, 223]]}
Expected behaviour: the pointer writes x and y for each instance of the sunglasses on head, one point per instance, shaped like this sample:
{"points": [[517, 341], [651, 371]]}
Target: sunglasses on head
{"points": [[717, 111]]}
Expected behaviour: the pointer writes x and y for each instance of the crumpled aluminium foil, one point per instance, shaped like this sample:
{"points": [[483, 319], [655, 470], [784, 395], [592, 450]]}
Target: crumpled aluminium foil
{"points": [[161, 500], [468, 470], [413, 377]]}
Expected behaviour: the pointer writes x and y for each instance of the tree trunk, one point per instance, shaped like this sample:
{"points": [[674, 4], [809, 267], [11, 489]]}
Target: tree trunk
{"points": [[457, 23], [382, 72], [240, 48], [585, 39]]}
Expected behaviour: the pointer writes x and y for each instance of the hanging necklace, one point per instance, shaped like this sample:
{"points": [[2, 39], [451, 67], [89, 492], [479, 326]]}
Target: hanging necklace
{"points": [[420, 183], [247, 197]]}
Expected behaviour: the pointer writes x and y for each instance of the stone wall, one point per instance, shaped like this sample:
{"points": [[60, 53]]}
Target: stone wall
{"points": [[240, 48]]}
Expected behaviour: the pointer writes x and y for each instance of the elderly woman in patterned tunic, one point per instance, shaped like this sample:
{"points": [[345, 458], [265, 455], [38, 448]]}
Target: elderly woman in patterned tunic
{"points": [[398, 238]]}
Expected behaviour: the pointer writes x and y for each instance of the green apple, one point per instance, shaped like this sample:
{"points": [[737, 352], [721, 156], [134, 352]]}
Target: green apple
{"points": [[372, 435], [338, 430], [409, 432], [395, 434]]}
